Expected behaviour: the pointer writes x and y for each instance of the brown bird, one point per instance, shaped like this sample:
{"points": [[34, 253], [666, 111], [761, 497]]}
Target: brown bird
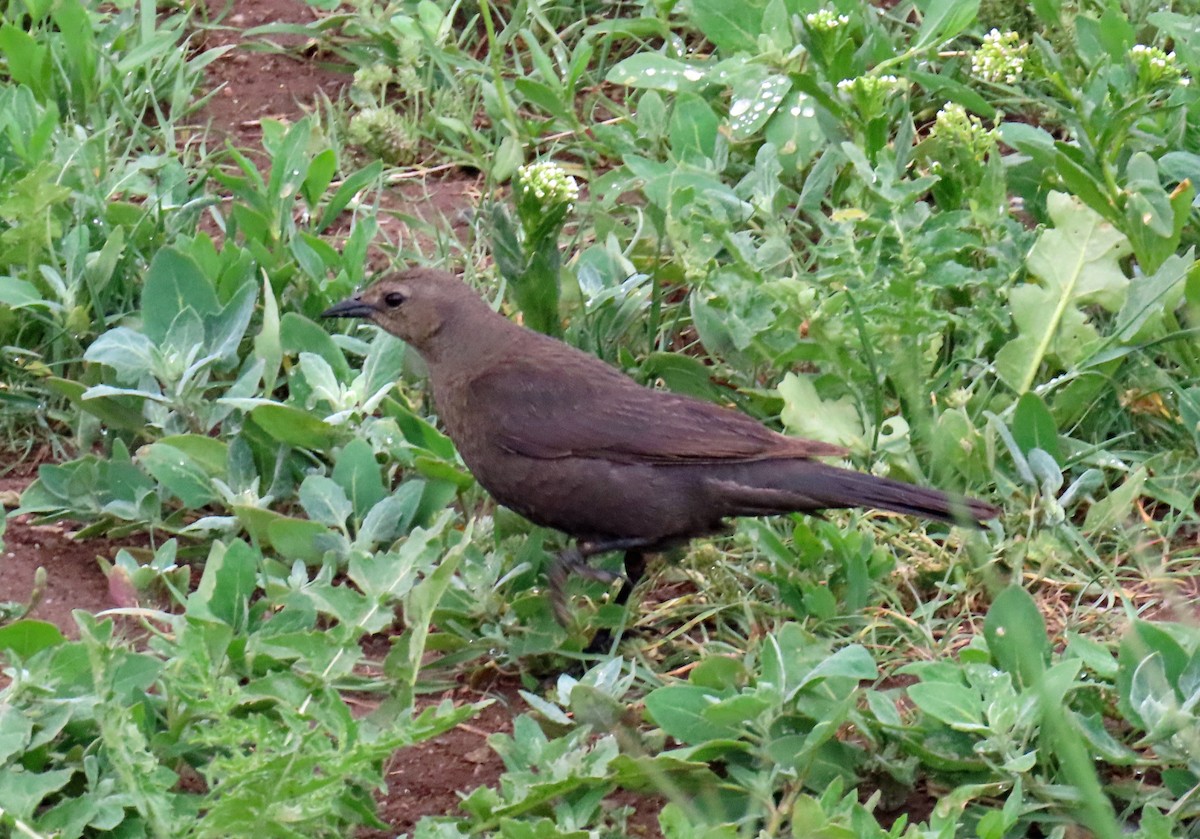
{"points": [[570, 443]]}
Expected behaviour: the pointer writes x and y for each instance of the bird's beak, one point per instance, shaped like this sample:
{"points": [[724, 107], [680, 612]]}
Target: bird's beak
{"points": [[351, 308]]}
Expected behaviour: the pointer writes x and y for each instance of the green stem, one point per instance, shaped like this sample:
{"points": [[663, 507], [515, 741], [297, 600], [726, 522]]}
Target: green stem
{"points": [[494, 53]]}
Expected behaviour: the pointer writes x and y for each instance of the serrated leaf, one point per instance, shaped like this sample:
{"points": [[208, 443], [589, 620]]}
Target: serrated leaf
{"points": [[808, 415], [1077, 264]]}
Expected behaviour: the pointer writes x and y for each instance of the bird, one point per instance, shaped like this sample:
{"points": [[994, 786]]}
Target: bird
{"points": [[570, 443]]}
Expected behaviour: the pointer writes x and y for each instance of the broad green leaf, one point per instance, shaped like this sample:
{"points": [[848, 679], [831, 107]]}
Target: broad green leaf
{"points": [[15, 726], [174, 282], [806, 414], [1016, 635], [658, 72], [1033, 427], [754, 101], [731, 26], [209, 453], [1142, 640], [1150, 297], [795, 130], [850, 662], [679, 711], [26, 637], [693, 129], [129, 353], [115, 412], [958, 706], [23, 791], [325, 501], [424, 598], [392, 516], [384, 363], [179, 473], [298, 334], [356, 472], [299, 539], [18, 294], [224, 329], [1077, 264], [296, 427]]}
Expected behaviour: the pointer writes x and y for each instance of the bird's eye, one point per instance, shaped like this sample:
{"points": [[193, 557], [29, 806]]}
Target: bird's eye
{"points": [[393, 298]]}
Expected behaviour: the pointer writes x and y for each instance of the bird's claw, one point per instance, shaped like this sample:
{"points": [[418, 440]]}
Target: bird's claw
{"points": [[569, 562]]}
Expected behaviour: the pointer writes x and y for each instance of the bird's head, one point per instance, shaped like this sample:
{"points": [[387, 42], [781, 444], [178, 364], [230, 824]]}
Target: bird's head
{"points": [[421, 306]]}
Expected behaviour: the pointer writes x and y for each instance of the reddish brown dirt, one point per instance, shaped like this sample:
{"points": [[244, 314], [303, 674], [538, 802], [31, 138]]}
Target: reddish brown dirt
{"points": [[73, 577], [254, 84]]}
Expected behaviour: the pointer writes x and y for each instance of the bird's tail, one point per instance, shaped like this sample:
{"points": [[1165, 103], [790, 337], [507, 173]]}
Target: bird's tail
{"points": [[808, 485]]}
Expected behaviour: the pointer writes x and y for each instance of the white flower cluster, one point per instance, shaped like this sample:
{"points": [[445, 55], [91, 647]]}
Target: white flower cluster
{"points": [[825, 20], [1000, 59], [871, 85], [549, 183], [1155, 66], [954, 125]]}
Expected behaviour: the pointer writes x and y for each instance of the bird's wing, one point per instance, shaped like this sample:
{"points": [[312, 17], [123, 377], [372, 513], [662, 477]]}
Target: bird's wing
{"points": [[598, 412]]}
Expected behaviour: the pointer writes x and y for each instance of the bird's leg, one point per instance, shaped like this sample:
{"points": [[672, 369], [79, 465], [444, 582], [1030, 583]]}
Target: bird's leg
{"points": [[574, 560], [635, 568]]}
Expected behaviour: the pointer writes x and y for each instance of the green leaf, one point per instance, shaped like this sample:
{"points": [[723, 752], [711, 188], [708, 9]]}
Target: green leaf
{"points": [[358, 474], [130, 354], [1033, 427], [943, 20], [850, 662], [226, 585], [657, 72], [392, 516], [806, 414], [298, 334], [296, 427], [1016, 636], [795, 130], [210, 454], [26, 637], [18, 294], [679, 710], [693, 129], [23, 791], [731, 27], [324, 500], [1152, 297], [174, 282], [754, 101], [958, 706], [1078, 264], [424, 598], [179, 473], [299, 539], [1118, 505]]}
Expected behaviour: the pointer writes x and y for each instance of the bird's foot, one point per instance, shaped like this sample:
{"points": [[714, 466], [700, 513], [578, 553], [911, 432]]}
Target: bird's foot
{"points": [[572, 561]]}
